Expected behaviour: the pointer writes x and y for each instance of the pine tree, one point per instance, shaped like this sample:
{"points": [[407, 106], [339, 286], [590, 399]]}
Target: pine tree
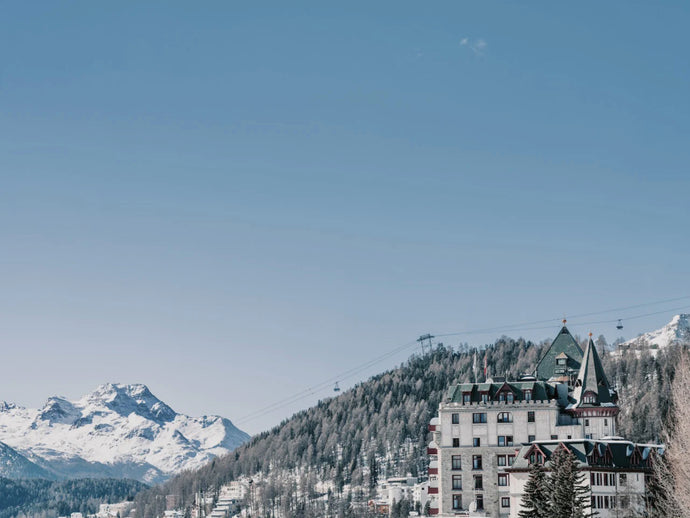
{"points": [[569, 496], [536, 501]]}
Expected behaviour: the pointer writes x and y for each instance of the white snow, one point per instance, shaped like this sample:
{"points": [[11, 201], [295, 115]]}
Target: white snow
{"points": [[676, 332], [125, 429]]}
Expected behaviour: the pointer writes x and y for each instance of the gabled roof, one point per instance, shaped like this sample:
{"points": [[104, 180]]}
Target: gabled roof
{"points": [[592, 379], [612, 453], [563, 343], [540, 391]]}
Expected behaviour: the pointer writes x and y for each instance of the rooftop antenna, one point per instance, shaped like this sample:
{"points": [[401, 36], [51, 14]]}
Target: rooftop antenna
{"points": [[425, 340]]}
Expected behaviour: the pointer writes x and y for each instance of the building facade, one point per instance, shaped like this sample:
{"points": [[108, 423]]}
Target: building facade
{"points": [[480, 436], [615, 471]]}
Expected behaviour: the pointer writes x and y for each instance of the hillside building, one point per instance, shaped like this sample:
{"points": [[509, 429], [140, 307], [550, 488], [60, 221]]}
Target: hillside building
{"points": [[487, 434]]}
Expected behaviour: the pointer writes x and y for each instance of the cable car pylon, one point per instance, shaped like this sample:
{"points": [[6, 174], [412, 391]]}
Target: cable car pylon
{"points": [[425, 340]]}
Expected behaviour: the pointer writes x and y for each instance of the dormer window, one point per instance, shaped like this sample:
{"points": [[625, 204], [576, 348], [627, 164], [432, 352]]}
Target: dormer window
{"points": [[502, 396], [510, 397], [528, 395], [466, 398], [561, 361], [589, 398]]}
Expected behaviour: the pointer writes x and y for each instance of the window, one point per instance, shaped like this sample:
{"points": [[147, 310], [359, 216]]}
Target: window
{"points": [[455, 418], [457, 482], [554, 437], [505, 417], [530, 417], [511, 459], [530, 438], [501, 460], [456, 442], [476, 442], [502, 396], [478, 482], [623, 479], [589, 398], [510, 397], [476, 462], [465, 399], [457, 501], [502, 479], [586, 422], [485, 398], [505, 501], [625, 502], [606, 422], [560, 361], [528, 395], [588, 436], [456, 462], [505, 440], [479, 418], [480, 502]]}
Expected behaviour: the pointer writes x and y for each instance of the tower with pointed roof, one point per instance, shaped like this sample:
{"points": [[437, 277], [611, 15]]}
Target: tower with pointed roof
{"points": [[592, 397]]}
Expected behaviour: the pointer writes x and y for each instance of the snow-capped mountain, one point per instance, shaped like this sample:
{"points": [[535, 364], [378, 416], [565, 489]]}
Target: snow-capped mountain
{"points": [[15, 465], [676, 332], [115, 431]]}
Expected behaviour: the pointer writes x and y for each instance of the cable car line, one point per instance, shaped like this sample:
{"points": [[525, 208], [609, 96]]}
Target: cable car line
{"points": [[312, 390]]}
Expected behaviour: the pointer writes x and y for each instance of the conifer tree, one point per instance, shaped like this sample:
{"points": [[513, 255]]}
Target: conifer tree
{"points": [[536, 501], [569, 497]]}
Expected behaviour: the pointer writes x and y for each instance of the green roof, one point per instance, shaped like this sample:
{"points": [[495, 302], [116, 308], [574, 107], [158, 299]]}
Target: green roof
{"points": [[592, 378], [563, 343], [541, 391], [621, 453]]}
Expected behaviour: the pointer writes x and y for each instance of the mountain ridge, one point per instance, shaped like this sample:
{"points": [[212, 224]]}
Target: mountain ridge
{"points": [[676, 332], [117, 430]]}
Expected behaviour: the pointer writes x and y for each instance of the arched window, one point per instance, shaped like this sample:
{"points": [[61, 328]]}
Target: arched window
{"points": [[505, 417]]}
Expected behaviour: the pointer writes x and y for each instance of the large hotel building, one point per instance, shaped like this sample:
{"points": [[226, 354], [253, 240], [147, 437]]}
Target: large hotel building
{"points": [[487, 435]]}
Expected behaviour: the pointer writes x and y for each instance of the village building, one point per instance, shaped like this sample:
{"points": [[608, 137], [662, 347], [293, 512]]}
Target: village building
{"points": [[487, 434]]}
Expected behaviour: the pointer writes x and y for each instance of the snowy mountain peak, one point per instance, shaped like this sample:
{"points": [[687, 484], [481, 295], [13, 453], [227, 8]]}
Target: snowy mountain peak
{"points": [[676, 332], [58, 410], [5, 406], [117, 430], [127, 399]]}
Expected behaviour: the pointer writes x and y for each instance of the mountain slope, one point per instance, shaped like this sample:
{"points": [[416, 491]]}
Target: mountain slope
{"points": [[324, 460], [15, 465], [676, 332], [49, 499], [377, 429], [119, 431]]}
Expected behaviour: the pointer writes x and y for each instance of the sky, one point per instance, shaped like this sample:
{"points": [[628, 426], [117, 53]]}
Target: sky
{"points": [[234, 203]]}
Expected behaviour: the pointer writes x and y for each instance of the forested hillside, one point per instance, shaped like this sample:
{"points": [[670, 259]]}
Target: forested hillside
{"points": [[325, 460], [48, 499]]}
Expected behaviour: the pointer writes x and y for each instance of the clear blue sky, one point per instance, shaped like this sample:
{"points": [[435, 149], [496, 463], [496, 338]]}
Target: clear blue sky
{"points": [[231, 203]]}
